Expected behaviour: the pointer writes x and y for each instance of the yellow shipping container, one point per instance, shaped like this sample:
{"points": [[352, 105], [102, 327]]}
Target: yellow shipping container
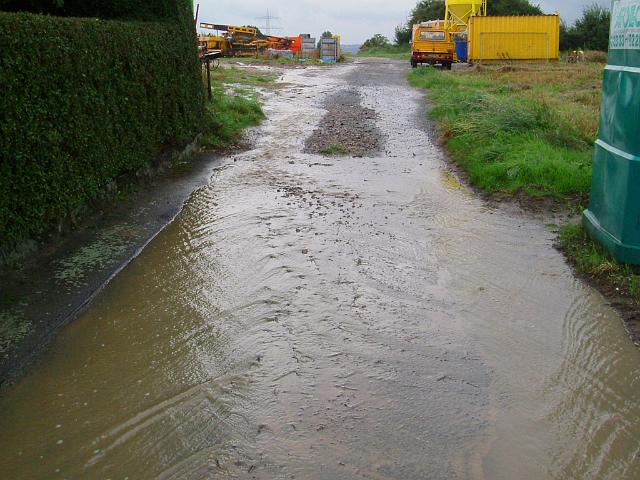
{"points": [[525, 38]]}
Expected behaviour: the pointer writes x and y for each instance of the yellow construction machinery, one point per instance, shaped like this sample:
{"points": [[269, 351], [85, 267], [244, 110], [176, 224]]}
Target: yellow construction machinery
{"points": [[237, 41], [458, 12], [435, 41]]}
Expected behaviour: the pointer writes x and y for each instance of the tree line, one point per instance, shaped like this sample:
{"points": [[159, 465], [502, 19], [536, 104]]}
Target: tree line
{"points": [[589, 32]]}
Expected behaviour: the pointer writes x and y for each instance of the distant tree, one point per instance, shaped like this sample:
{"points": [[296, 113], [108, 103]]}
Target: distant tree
{"points": [[592, 28], [512, 7], [435, 9], [569, 39], [426, 10], [402, 34], [590, 32], [376, 41]]}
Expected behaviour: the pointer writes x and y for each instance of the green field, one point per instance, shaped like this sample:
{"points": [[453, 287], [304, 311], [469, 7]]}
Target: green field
{"points": [[402, 52], [519, 129], [229, 74]]}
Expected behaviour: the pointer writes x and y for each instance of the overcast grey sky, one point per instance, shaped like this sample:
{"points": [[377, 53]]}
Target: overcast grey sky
{"points": [[355, 20]]}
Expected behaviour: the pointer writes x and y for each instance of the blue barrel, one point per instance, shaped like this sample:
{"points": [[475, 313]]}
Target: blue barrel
{"points": [[462, 49]]}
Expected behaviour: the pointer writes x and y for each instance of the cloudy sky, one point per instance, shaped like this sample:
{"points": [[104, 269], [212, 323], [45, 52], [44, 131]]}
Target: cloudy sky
{"points": [[355, 20]]}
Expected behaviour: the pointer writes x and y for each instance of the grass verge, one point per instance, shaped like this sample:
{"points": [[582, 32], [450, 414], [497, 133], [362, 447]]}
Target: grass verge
{"points": [[228, 115], [336, 149], [593, 261], [235, 104], [243, 76], [398, 52], [519, 129]]}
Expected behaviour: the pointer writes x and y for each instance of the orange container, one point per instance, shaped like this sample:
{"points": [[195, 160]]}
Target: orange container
{"points": [[296, 46]]}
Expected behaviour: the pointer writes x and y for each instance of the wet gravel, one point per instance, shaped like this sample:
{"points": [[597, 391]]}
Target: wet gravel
{"points": [[347, 128]]}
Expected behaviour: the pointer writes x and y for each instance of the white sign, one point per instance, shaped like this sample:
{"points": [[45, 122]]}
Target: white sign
{"points": [[625, 25]]}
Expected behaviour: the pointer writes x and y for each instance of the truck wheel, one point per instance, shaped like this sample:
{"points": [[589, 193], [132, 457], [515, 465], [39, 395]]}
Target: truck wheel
{"points": [[414, 64], [447, 66]]}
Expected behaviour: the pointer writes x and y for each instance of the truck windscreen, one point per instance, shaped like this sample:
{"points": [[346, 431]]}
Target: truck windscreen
{"points": [[432, 36]]}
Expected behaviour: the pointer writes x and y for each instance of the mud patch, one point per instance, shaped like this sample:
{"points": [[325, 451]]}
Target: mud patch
{"points": [[347, 128]]}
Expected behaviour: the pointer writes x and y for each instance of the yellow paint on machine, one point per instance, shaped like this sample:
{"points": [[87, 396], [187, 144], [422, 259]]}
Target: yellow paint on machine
{"points": [[433, 37], [458, 12], [524, 38]]}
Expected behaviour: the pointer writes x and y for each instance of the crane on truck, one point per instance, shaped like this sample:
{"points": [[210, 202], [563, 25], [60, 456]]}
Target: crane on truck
{"points": [[433, 42], [239, 40]]}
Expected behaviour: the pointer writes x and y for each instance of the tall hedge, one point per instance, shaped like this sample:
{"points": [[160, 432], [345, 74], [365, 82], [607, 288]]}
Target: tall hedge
{"points": [[83, 101], [111, 9]]}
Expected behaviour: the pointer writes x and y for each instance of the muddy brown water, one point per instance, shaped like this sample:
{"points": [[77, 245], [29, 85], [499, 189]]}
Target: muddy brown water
{"points": [[324, 318]]}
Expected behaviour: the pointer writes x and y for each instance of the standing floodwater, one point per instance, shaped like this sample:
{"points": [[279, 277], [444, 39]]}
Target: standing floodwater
{"points": [[326, 317]]}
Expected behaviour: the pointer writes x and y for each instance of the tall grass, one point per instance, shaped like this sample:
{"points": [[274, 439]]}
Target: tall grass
{"points": [[228, 115], [235, 104], [518, 129], [244, 76], [399, 52]]}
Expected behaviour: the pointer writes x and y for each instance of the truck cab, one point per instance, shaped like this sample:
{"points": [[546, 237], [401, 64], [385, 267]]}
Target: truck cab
{"points": [[432, 43]]}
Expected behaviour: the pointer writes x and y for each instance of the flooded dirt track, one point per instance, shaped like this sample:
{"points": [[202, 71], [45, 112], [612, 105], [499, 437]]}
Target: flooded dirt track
{"points": [[333, 317]]}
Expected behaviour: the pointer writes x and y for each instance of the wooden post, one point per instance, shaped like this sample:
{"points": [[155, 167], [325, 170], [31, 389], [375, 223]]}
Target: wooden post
{"points": [[209, 79]]}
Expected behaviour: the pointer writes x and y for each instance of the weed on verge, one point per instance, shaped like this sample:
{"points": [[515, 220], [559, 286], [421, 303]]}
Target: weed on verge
{"points": [[228, 115], [592, 260]]}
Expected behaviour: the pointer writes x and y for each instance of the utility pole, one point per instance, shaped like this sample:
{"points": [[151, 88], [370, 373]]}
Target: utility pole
{"points": [[267, 26]]}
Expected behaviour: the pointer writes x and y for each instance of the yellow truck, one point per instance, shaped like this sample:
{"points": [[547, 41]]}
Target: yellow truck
{"points": [[433, 43]]}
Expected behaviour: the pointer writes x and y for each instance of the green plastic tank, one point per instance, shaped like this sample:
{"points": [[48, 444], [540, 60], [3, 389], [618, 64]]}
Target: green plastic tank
{"points": [[613, 217]]}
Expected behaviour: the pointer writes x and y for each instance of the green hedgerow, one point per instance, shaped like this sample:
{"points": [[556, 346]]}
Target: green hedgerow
{"points": [[84, 101]]}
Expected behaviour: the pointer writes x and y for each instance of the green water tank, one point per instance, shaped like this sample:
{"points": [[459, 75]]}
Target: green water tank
{"points": [[613, 217]]}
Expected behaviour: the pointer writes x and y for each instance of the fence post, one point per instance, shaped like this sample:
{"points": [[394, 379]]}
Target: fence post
{"points": [[209, 79]]}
